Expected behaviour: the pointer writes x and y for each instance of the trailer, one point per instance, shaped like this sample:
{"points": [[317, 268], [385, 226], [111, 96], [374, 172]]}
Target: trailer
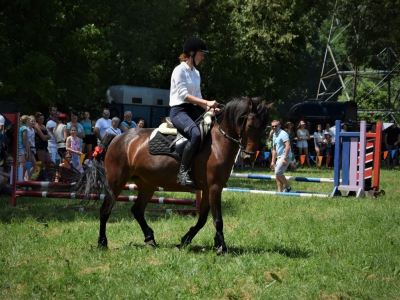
{"points": [[150, 104]]}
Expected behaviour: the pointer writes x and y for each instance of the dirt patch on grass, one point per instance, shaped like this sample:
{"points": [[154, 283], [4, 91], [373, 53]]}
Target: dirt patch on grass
{"points": [[90, 270]]}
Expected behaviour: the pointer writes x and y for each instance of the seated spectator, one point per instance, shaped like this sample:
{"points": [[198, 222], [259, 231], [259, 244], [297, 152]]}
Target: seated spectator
{"points": [[5, 175], [127, 123]]}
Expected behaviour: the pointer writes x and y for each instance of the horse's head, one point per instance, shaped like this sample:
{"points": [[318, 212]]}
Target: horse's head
{"points": [[250, 117]]}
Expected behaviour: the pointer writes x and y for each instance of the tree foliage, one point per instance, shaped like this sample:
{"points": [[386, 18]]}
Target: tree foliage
{"points": [[70, 52]]}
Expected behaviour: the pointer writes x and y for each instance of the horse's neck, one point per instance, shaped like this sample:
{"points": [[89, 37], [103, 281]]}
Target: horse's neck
{"points": [[226, 148]]}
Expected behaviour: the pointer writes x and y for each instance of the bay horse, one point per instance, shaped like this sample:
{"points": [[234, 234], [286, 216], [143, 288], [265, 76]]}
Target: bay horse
{"points": [[239, 124]]}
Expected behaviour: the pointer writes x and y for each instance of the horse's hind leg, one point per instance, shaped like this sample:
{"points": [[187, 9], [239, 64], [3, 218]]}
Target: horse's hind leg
{"points": [[138, 209], [204, 210], [105, 212]]}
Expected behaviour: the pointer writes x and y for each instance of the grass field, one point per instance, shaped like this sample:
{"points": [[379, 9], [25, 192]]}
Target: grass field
{"points": [[279, 248]]}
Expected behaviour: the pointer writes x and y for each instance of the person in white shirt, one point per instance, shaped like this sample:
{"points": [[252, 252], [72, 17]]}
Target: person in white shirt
{"points": [[185, 93], [102, 124], [50, 125], [114, 130]]}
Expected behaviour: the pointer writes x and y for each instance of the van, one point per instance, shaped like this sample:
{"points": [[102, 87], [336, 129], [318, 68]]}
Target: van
{"points": [[323, 112]]}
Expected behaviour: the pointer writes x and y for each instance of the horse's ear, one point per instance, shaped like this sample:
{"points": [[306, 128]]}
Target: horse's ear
{"points": [[250, 103], [269, 106]]}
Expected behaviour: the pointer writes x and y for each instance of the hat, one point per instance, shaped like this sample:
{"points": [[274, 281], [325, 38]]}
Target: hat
{"points": [[289, 124], [194, 44], [63, 117]]}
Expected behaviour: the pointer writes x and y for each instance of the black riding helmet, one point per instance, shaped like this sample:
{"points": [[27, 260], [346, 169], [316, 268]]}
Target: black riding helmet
{"points": [[194, 44]]}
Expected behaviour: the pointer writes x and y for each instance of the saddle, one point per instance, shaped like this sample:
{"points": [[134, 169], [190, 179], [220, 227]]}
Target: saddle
{"points": [[166, 140]]}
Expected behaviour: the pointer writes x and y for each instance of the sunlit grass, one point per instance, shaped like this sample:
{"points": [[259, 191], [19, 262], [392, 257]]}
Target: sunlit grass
{"points": [[279, 248]]}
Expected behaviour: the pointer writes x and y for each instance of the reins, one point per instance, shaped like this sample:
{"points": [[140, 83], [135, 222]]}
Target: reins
{"points": [[239, 140]]}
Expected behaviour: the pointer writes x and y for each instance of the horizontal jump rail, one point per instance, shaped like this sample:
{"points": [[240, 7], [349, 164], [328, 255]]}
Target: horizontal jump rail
{"points": [[273, 177], [47, 184], [66, 195]]}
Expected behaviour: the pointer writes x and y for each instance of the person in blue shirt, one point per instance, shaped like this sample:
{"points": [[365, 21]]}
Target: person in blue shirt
{"points": [[281, 155]]}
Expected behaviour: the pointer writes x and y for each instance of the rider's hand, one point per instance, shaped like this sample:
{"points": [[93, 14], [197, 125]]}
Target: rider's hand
{"points": [[212, 103]]}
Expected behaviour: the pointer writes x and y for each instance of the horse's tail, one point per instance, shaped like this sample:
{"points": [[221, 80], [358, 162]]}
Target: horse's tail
{"points": [[94, 179]]}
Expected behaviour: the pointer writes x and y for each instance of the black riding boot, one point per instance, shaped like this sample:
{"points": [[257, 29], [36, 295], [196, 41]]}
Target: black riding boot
{"points": [[183, 176]]}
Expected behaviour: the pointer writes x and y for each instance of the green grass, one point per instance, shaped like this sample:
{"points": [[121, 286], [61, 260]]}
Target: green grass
{"points": [[279, 248]]}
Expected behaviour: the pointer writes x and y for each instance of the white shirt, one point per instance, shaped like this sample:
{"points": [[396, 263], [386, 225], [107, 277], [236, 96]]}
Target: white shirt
{"points": [[50, 127], [103, 124], [184, 82], [31, 137], [113, 131]]}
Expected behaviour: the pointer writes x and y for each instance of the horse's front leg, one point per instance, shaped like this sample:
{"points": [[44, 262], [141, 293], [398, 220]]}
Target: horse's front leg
{"points": [[138, 209], [204, 210], [216, 210]]}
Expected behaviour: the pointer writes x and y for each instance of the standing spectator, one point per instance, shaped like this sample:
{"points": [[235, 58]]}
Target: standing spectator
{"points": [[80, 133], [302, 141], [113, 130], [127, 123], [373, 128], [329, 143], [289, 130], [392, 137], [102, 124], [140, 123], [5, 174], [344, 127], [74, 147], [330, 130], [88, 129], [50, 125], [94, 137], [281, 156], [60, 134], [318, 138], [31, 138], [42, 137], [24, 148]]}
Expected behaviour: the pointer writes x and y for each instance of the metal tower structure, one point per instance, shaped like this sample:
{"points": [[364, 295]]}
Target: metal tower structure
{"points": [[338, 76]]}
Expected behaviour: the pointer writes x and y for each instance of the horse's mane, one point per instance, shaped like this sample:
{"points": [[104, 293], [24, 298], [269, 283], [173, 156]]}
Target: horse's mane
{"points": [[238, 107]]}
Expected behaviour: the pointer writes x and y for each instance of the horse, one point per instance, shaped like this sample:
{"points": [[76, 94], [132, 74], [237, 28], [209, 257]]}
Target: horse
{"points": [[238, 125]]}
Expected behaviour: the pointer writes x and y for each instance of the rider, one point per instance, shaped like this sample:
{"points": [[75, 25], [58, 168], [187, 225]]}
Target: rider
{"points": [[184, 95]]}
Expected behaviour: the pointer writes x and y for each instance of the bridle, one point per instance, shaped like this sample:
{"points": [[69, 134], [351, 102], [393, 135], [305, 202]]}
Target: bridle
{"points": [[239, 140]]}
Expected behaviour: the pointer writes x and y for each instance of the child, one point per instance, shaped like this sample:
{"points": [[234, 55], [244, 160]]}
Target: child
{"points": [[73, 146]]}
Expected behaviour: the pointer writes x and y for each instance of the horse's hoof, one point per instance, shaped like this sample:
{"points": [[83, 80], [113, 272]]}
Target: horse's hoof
{"points": [[178, 247], [102, 242], [222, 251], [151, 244]]}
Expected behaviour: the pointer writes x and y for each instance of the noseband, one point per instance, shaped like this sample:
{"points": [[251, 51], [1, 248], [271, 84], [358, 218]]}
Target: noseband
{"points": [[237, 141]]}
